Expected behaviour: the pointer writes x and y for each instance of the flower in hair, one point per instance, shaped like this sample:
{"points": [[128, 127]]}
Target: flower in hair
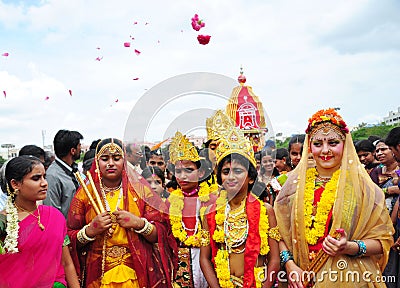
{"points": [[328, 115]]}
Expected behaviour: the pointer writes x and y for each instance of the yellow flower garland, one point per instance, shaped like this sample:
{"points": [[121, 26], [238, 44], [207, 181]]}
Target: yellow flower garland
{"points": [[175, 214], [324, 206], [222, 258]]}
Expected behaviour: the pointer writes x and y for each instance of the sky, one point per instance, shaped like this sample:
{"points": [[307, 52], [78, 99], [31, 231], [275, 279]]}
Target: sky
{"points": [[67, 67]]}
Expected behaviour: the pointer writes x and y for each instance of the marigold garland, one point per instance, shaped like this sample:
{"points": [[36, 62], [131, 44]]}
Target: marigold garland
{"points": [[175, 215], [316, 229], [222, 258]]}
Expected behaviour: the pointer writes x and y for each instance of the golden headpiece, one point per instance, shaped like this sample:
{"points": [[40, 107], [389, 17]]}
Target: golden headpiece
{"points": [[112, 147], [181, 149], [218, 124], [235, 142], [326, 120]]}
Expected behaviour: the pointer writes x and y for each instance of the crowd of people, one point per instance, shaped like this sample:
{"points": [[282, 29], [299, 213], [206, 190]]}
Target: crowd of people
{"points": [[218, 216]]}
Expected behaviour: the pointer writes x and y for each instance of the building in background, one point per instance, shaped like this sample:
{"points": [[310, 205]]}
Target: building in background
{"points": [[393, 118]]}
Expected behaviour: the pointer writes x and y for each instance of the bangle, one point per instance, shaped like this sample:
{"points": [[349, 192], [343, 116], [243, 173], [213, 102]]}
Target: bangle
{"points": [[82, 236], [147, 228], [362, 248], [285, 256], [385, 190]]}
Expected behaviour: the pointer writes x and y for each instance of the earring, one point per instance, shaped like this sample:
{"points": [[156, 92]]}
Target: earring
{"points": [[16, 192]]}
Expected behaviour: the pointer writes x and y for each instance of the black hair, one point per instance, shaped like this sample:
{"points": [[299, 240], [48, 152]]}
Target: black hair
{"points": [[234, 157], [18, 167], [64, 141], [282, 153], [364, 145], [94, 143], [32, 150], [150, 170], [88, 159], [393, 138], [298, 138]]}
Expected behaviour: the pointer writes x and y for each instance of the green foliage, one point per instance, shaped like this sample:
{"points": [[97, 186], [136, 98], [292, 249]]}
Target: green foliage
{"points": [[2, 160], [363, 132], [283, 144]]}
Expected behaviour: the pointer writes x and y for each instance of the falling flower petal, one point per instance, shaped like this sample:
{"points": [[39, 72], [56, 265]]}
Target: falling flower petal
{"points": [[47, 98], [5, 94], [158, 41], [181, 31], [134, 23], [147, 23], [98, 48], [197, 24], [203, 39], [70, 92], [99, 58], [116, 100], [127, 44], [137, 52], [133, 38], [137, 78], [5, 54]]}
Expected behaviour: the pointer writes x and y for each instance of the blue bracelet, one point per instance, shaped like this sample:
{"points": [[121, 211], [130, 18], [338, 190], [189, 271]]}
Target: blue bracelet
{"points": [[285, 256], [362, 248]]}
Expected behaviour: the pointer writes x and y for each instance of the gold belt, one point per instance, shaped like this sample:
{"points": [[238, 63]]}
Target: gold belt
{"points": [[116, 251]]}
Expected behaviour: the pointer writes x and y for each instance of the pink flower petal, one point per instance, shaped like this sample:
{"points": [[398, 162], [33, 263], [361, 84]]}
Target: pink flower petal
{"points": [[134, 23], [203, 39], [137, 52], [137, 78], [127, 44], [70, 92], [5, 94], [5, 54], [99, 58], [47, 98], [116, 100]]}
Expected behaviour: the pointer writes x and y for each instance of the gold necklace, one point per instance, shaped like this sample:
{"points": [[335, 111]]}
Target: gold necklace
{"points": [[41, 226], [110, 189]]}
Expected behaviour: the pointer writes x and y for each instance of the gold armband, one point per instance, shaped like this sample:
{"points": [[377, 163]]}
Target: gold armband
{"points": [[274, 233]]}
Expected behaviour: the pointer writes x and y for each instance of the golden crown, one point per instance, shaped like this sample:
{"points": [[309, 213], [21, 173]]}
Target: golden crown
{"points": [[235, 142], [181, 149], [218, 124]]}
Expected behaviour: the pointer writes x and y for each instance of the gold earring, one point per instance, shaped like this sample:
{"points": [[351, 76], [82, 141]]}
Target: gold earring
{"points": [[16, 191]]}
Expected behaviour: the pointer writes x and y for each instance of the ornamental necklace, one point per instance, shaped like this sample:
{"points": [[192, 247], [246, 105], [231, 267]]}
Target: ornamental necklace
{"points": [[108, 209], [236, 227], [41, 226]]}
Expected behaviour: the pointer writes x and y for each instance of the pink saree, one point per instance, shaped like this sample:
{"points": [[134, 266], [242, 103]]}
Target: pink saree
{"points": [[38, 262]]}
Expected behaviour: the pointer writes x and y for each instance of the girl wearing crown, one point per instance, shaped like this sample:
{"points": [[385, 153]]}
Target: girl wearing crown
{"points": [[242, 248], [187, 204], [332, 217]]}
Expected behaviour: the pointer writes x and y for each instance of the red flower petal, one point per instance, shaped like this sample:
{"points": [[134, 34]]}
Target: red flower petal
{"points": [[5, 94], [134, 23], [127, 44], [203, 39], [99, 58], [70, 92], [47, 98], [116, 100], [137, 52], [137, 78]]}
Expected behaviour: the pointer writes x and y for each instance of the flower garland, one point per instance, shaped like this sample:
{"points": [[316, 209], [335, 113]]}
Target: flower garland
{"points": [[11, 240], [324, 206], [222, 258], [175, 214]]}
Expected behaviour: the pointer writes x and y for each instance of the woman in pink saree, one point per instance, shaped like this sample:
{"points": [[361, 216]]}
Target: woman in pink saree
{"points": [[33, 249]]}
